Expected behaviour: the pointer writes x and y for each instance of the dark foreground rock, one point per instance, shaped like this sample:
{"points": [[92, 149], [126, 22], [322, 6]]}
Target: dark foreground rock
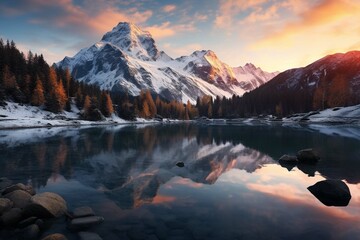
{"points": [[331, 192], [11, 217], [55, 236], [31, 232], [20, 198], [46, 205], [308, 156], [5, 205]]}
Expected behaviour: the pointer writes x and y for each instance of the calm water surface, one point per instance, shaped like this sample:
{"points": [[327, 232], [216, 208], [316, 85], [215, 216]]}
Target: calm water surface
{"points": [[231, 187]]}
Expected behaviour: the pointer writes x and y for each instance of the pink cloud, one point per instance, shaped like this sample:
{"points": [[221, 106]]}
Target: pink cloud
{"points": [[169, 8]]}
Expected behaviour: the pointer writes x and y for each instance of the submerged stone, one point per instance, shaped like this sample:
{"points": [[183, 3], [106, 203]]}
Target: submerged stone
{"points": [[331, 192]]}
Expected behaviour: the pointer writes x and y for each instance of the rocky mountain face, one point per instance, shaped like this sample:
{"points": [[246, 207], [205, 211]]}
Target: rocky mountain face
{"points": [[127, 59], [332, 81]]}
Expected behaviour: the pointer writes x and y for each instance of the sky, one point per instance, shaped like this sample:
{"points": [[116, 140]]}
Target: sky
{"points": [[272, 34]]}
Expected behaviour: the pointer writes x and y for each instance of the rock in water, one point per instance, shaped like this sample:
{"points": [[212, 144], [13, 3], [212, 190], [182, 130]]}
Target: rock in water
{"points": [[83, 212], [20, 198], [180, 164], [55, 236], [308, 156], [331, 192], [288, 159], [85, 222], [5, 204], [46, 205]]}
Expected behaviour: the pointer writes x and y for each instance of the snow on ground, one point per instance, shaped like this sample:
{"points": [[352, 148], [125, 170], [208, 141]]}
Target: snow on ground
{"points": [[15, 115], [338, 115]]}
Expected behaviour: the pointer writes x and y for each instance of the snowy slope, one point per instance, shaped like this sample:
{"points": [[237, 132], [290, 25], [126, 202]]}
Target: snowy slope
{"points": [[127, 59]]}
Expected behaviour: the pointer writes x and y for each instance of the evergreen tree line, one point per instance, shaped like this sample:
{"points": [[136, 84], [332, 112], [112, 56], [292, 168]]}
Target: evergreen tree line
{"points": [[30, 80]]}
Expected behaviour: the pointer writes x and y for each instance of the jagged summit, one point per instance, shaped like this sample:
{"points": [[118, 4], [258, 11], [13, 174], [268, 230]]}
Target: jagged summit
{"points": [[130, 38], [127, 59]]}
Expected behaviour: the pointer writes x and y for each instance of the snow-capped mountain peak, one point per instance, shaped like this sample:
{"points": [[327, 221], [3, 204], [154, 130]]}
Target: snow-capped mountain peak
{"points": [[127, 59], [131, 38]]}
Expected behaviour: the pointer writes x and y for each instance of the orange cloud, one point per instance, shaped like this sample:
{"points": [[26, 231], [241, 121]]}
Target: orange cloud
{"points": [[323, 15], [230, 8], [166, 29], [169, 8]]}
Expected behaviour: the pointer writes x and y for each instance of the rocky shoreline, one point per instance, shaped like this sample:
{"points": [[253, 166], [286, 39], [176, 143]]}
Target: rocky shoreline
{"points": [[25, 214]]}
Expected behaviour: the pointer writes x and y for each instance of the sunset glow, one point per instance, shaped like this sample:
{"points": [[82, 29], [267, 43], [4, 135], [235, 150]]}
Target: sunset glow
{"points": [[275, 35]]}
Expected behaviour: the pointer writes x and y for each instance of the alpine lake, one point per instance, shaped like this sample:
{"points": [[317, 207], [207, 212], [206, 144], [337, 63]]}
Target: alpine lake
{"points": [[230, 187]]}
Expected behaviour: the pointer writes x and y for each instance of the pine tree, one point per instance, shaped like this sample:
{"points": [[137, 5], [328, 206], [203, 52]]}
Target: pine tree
{"points": [[9, 80], [56, 97], [145, 113], [151, 104], [87, 105], [37, 98], [106, 106]]}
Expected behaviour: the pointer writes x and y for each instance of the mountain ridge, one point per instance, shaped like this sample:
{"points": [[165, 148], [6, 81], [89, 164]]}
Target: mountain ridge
{"points": [[127, 59]]}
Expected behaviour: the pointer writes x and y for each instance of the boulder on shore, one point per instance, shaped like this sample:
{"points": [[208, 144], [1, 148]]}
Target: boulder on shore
{"points": [[331, 192], [308, 156], [46, 205], [20, 198], [11, 217], [5, 204]]}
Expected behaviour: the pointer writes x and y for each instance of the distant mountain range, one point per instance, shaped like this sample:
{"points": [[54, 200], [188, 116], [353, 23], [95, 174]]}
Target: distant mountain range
{"points": [[332, 81], [127, 59]]}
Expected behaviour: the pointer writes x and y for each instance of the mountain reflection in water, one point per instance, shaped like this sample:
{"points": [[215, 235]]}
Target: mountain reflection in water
{"points": [[231, 177]]}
